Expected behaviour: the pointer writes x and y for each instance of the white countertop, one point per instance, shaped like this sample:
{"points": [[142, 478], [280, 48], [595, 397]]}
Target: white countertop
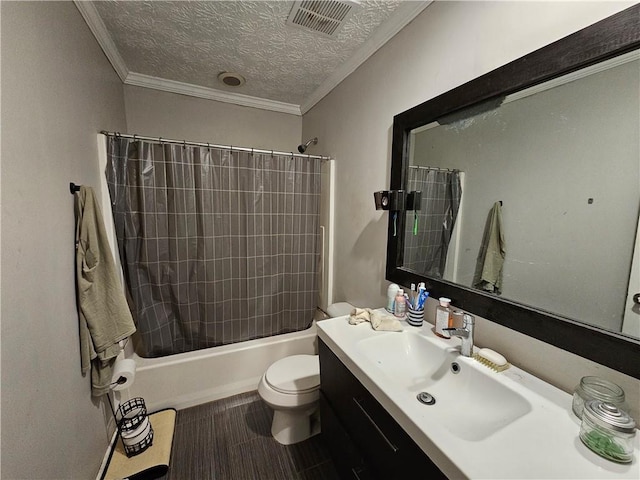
{"points": [[543, 443]]}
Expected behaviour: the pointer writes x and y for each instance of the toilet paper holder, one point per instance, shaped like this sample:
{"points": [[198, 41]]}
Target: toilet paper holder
{"points": [[119, 381]]}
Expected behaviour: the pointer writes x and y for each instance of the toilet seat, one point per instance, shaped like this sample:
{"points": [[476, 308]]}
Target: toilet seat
{"points": [[297, 374]]}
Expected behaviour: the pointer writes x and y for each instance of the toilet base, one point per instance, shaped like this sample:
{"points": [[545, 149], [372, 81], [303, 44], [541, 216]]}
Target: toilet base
{"points": [[293, 426]]}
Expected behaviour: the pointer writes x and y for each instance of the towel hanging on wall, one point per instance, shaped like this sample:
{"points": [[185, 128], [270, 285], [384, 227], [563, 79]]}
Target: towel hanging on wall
{"points": [[103, 312]]}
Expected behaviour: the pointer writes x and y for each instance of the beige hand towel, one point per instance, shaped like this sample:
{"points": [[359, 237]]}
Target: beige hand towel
{"points": [[359, 315], [104, 315], [379, 321]]}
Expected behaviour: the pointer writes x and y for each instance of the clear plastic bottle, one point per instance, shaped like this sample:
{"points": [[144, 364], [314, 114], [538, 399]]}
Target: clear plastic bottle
{"points": [[443, 315], [400, 304]]}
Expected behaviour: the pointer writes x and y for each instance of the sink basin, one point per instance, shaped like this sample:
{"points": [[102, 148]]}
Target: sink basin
{"points": [[472, 403]]}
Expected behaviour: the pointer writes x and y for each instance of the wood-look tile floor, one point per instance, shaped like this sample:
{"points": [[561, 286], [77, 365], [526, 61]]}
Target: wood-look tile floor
{"points": [[230, 439]]}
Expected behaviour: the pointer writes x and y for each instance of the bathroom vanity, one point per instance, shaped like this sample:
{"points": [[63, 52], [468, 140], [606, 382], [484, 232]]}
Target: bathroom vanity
{"points": [[353, 421], [483, 424]]}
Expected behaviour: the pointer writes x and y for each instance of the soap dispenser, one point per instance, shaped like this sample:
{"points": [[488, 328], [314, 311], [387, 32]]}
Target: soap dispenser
{"points": [[443, 314]]}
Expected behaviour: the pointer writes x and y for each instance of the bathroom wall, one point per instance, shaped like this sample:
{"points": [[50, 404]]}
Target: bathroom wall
{"points": [[170, 115], [58, 90], [448, 44]]}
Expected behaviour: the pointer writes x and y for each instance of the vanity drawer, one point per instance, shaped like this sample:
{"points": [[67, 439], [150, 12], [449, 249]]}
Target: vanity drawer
{"points": [[385, 446], [348, 460]]}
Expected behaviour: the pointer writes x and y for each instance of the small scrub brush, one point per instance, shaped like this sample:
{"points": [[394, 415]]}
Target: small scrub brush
{"points": [[491, 359]]}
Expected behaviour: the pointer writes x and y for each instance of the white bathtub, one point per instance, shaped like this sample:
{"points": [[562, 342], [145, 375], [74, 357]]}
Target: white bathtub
{"points": [[188, 379]]}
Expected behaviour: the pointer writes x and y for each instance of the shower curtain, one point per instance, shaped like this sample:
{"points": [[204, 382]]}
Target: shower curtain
{"points": [[217, 246], [426, 251]]}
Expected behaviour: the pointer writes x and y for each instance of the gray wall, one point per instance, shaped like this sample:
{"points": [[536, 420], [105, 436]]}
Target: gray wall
{"points": [[448, 44], [162, 114], [58, 90], [544, 156]]}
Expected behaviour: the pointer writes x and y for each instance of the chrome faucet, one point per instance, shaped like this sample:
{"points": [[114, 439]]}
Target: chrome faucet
{"points": [[465, 334]]}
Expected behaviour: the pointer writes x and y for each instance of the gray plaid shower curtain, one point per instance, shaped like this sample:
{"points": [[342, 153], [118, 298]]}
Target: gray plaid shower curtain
{"points": [[217, 246], [426, 251]]}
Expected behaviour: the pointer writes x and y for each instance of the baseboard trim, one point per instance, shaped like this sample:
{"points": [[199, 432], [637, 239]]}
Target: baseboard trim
{"points": [[107, 456]]}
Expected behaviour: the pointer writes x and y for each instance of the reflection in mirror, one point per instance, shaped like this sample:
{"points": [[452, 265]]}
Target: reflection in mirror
{"points": [[563, 159]]}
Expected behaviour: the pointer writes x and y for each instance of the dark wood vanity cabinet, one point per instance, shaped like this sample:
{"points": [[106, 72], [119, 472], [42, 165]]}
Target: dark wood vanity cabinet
{"points": [[364, 440]]}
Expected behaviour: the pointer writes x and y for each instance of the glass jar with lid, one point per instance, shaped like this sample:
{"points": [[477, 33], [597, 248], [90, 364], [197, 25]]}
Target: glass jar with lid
{"points": [[608, 431], [596, 388]]}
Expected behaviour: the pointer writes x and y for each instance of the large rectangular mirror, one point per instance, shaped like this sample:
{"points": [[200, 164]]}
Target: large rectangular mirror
{"points": [[545, 154]]}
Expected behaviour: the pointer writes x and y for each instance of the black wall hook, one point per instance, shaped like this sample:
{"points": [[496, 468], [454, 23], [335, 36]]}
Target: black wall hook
{"points": [[73, 188]]}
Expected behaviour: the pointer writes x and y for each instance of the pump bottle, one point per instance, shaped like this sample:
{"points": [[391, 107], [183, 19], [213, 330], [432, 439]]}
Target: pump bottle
{"points": [[443, 314]]}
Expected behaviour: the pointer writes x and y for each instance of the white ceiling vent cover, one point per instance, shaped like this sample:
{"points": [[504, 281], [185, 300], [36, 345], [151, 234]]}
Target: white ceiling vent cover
{"points": [[324, 17]]}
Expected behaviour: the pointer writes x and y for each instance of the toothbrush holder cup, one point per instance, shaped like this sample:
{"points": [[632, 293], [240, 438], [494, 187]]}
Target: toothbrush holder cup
{"points": [[415, 317]]}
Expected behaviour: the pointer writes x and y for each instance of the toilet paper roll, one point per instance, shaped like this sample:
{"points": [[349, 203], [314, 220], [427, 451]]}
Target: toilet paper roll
{"points": [[124, 373]]}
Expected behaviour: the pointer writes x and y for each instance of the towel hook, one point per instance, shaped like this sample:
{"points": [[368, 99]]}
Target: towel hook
{"points": [[74, 188]]}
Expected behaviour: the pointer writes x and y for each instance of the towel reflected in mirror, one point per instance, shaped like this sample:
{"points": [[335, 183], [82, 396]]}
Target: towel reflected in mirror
{"points": [[490, 262]]}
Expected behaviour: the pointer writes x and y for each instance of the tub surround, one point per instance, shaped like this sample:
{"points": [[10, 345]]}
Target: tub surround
{"points": [[543, 442]]}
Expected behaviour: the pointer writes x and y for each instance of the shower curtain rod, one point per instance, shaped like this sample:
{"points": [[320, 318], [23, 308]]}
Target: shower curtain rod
{"points": [[434, 168], [210, 145]]}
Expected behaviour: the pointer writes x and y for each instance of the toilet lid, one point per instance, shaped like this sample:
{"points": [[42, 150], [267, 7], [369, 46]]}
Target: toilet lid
{"points": [[295, 374]]}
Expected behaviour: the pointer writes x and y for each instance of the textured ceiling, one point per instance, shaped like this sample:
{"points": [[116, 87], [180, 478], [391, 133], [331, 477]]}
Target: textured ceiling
{"points": [[192, 42]]}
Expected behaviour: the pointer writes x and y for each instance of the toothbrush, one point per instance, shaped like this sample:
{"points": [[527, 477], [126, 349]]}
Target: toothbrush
{"points": [[414, 296], [422, 298], [408, 300]]}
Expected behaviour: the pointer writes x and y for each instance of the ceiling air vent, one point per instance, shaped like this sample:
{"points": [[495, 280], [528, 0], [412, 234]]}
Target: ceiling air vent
{"points": [[324, 17]]}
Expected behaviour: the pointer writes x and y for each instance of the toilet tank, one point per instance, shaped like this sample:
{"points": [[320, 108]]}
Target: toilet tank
{"points": [[339, 309]]}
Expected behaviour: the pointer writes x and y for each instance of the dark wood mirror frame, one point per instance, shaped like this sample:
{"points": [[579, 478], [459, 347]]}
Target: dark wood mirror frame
{"points": [[603, 40]]}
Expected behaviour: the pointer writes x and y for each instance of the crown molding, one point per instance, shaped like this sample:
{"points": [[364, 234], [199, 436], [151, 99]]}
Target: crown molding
{"points": [[140, 80], [97, 27], [405, 13]]}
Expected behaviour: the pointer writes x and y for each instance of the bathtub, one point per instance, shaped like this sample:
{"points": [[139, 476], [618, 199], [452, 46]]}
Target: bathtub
{"points": [[188, 379]]}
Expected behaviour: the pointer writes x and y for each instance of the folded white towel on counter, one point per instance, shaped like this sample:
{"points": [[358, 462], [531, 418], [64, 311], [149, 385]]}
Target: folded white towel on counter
{"points": [[379, 321]]}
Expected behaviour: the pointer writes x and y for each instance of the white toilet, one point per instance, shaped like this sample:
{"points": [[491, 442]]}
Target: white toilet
{"points": [[291, 387]]}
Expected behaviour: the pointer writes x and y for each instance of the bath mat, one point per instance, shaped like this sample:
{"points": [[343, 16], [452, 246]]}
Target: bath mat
{"points": [[154, 461]]}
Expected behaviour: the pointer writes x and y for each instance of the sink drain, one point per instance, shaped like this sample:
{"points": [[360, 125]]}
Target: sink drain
{"points": [[426, 398], [455, 367]]}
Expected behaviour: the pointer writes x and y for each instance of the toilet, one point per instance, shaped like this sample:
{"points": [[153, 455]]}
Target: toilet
{"points": [[291, 387]]}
